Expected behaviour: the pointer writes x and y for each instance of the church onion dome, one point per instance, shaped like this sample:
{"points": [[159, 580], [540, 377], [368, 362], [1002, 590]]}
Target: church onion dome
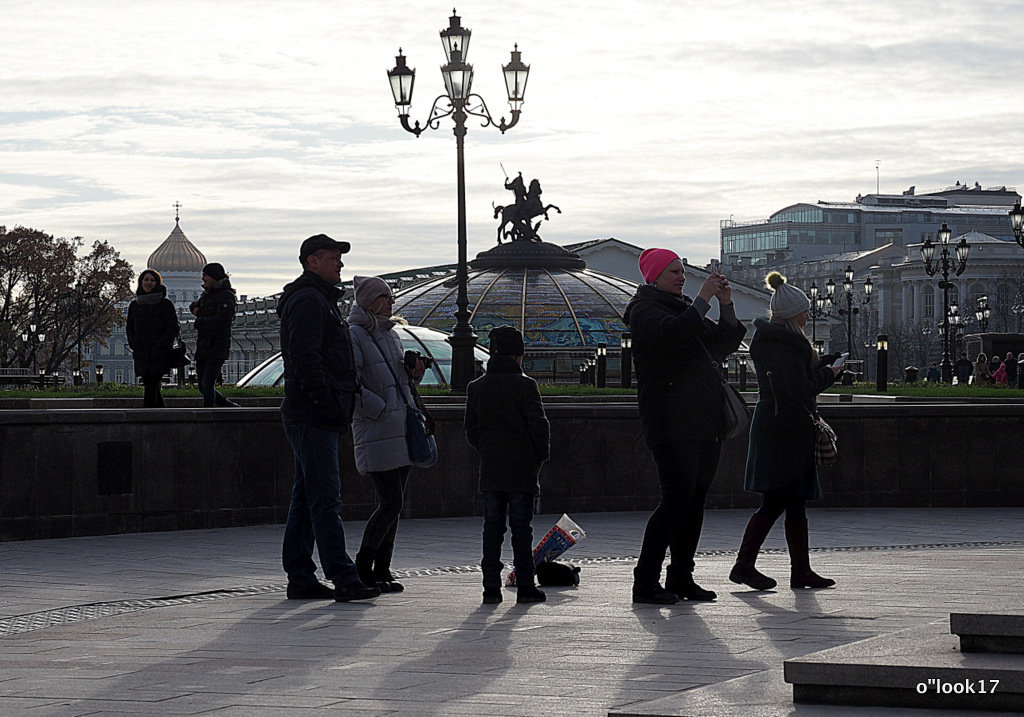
{"points": [[177, 253], [543, 290]]}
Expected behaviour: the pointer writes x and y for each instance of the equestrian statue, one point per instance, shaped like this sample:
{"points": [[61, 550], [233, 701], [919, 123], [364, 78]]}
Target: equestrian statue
{"points": [[517, 219]]}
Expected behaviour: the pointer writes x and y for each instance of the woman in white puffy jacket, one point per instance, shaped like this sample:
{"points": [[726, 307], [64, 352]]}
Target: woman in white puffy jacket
{"points": [[378, 423]]}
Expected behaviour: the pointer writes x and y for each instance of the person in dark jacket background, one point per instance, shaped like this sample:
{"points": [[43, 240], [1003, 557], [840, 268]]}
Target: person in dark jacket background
{"points": [[151, 327], [506, 424], [682, 409], [319, 394], [214, 312], [964, 368], [780, 456]]}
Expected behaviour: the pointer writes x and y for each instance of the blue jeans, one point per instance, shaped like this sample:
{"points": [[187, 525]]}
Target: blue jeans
{"points": [[313, 512], [207, 372], [519, 509]]}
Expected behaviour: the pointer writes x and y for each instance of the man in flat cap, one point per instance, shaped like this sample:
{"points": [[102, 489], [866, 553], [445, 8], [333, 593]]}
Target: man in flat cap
{"points": [[319, 391]]}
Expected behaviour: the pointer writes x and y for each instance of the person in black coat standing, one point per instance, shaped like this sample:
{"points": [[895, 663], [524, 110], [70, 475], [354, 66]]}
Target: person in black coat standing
{"points": [[780, 456], [214, 312], [682, 409], [506, 424], [152, 326]]}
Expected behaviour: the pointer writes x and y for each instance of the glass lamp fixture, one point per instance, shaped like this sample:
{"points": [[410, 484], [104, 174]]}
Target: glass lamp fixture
{"points": [[516, 74], [402, 79], [455, 37]]}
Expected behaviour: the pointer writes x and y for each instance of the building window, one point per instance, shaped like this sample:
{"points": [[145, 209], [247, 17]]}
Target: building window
{"points": [[929, 303], [888, 236]]}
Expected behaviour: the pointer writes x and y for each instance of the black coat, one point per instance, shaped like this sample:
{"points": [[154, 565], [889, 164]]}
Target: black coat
{"points": [[506, 424], [215, 310], [152, 326], [319, 369], [679, 389], [780, 454]]}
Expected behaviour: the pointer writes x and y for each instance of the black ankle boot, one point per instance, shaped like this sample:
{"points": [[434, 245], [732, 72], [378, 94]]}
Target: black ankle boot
{"points": [[364, 567]]}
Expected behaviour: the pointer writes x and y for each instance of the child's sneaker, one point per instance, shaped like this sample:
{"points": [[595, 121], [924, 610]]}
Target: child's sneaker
{"points": [[530, 593]]}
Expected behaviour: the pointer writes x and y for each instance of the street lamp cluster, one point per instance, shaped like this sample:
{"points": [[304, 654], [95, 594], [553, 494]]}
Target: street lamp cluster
{"points": [[945, 265], [821, 308], [33, 339], [459, 102], [850, 311]]}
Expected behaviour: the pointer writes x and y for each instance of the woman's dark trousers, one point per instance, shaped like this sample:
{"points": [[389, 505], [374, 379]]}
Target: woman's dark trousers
{"points": [[685, 471], [379, 534], [151, 396]]}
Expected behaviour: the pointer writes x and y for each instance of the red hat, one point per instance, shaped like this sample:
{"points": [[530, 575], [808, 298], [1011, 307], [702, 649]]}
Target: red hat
{"points": [[653, 262]]}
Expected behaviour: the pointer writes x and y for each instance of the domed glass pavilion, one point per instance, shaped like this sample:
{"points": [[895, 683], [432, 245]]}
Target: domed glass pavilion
{"points": [[541, 289]]}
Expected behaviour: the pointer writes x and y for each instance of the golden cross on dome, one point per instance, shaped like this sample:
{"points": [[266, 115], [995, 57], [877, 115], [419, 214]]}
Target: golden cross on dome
{"points": [[177, 206]]}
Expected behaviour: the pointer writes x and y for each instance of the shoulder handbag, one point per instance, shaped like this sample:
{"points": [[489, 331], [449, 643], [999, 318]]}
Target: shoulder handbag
{"points": [[826, 450], [737, 415], [180, 357], [421, 445]]}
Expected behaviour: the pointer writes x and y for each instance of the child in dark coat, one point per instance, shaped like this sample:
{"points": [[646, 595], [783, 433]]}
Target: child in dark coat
{"points": [[506, 424]]}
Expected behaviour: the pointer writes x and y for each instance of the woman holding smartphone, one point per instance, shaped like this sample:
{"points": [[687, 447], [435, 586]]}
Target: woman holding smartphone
{"points": [[780, 455]]}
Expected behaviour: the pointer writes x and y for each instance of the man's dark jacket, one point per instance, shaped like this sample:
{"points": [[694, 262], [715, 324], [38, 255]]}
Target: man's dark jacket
{"points": [[506, 424], [215, 310], [678, 387], [780, 454], [319, 370]]}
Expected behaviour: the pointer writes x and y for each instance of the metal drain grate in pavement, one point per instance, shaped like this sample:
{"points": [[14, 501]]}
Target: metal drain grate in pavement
{"points": [[79, 613]]}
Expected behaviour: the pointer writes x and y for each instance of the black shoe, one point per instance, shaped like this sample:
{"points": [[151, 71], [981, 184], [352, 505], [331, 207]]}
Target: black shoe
{"points": [[354, 591], [693, 591], [529, 594], [309, 591], [386, 582], [492, 596], [654, 596], [751, 577]]}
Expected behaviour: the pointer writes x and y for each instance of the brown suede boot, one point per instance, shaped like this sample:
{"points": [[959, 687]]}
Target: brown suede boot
{"points": [[744, 572], [801, 575]]}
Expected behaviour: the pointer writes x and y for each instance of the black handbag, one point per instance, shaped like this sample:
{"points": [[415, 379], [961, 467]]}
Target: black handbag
{"points": [[180, 356], [737, 415], [421, 444]]}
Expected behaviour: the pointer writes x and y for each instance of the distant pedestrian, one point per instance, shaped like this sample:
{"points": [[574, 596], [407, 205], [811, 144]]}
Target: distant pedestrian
{"points": [[386, 387], [933, 375], [214, 312], [982, 373], [993, 363], [999, 378], [682, 409], [151, 327], [1011, 369], [319, 392], [964, 369], [505, 422], [780, 457]]}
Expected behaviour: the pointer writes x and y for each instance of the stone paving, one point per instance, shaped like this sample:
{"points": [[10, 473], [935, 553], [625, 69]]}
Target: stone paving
{"points": [[196, 622]]}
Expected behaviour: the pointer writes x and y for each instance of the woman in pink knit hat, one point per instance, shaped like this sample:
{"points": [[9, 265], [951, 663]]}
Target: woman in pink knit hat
{"points": [[683, 413]]}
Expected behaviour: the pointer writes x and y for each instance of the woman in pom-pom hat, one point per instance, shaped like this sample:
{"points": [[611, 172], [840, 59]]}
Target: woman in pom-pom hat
{"points": [[780, 456], [682, 408]]}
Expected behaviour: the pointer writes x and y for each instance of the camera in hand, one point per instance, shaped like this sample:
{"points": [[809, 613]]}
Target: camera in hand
{"points": [[411, 357]]}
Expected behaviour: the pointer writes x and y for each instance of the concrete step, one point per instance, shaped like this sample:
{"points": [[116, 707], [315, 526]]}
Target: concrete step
{"points": [[988, 633], [920, 667]]}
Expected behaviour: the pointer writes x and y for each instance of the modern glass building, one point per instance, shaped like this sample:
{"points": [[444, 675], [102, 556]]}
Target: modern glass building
{"points": [[804, 232]]}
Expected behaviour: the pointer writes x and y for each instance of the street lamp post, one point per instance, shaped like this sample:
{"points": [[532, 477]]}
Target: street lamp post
{"points": [[850, 309], [33, 339], [821, 307], [99, 374], [602, 364], [982, 313], [742, 361], [1017, 223], [882, 373], [626, 361], [945, 265], [459, 103]]}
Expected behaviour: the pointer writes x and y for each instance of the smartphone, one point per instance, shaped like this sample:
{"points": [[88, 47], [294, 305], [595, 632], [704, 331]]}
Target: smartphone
{"points": [[716, 266], [841, 360]]}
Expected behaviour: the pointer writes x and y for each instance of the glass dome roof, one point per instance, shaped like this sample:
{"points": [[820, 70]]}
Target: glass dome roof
{"points": [[541, 289], [414, 338]]}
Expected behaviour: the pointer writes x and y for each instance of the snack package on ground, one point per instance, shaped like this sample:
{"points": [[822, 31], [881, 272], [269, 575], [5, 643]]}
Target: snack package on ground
{"points": [[562, 536]]}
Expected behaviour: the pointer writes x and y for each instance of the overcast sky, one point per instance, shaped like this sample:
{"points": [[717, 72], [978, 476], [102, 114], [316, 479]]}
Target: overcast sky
{"points": [[647, 121]]}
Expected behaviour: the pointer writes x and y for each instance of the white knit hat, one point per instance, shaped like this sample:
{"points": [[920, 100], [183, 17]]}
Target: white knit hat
{"points": [[368, 289], [787, 300]]}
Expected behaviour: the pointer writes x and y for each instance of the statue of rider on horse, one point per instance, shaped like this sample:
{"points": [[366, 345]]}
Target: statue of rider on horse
{"points": [[517, 219]]}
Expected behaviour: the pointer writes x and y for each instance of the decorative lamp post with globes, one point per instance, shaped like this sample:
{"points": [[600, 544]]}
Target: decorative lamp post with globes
{"points": [[33, 339], [459, 103], [850, 309], [982, 313], [1017, 223], [945, 265], [821, 307]]}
